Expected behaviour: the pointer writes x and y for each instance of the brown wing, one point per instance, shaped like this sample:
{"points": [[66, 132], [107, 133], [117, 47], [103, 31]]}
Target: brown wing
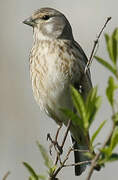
{"points": [[85, 80]]}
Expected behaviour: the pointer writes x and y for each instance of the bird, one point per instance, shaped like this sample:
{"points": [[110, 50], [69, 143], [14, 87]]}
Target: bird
{"points": [[57, 61]]}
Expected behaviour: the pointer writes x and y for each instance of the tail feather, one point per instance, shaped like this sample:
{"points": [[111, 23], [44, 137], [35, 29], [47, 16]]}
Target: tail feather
{"points": [[79, 157]]}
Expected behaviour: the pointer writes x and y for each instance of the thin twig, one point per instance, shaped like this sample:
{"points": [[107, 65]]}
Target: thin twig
{"points": [[76, 164], [67, 130], [94, 161], [67, 156], [63, 163], [80, 150], [95, 44], [55, 144], [64, 139], [57, 134], [68, 165], [58, 156], [6, 175]]}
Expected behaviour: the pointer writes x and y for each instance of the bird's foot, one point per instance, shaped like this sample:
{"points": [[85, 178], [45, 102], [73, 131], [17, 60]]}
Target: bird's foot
{"points": [[55, 144]]}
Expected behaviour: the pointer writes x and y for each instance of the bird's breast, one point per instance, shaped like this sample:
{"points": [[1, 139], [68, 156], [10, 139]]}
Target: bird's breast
{"points": [[52, 67]]}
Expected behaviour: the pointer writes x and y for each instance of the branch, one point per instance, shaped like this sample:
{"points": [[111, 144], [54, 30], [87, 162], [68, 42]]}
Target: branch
{"points": [[68, 128], [68, 165], [55, 144], [6, 175], [76, 164], [63, 163], [95, 44], [94, 161]]}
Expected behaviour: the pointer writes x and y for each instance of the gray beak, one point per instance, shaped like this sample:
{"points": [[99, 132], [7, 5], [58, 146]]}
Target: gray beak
{"points": [[29, 21]]}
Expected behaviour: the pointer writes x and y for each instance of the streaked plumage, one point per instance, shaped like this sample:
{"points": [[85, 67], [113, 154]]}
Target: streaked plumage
{"points": [[56, 62]]}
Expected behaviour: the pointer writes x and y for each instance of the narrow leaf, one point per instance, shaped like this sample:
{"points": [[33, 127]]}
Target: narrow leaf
{"points": [[97, 131], [41, 177], [96, 107], [115, 34], [106, 64], [114, 139], [31, 170], [115, 45], [92, 94], [113, 157], [109, 45], [74, 117], [115, 118], [107, 39], [80, 106], [112, 86], [47, 160], [52, 170], [93, 103], [32, 178]]}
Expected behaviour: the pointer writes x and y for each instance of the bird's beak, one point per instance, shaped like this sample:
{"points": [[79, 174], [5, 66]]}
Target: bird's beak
{"points": [[29, 21]]}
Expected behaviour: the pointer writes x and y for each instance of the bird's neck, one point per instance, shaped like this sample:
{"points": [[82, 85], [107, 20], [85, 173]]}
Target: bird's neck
{"points": [[39, 36]]}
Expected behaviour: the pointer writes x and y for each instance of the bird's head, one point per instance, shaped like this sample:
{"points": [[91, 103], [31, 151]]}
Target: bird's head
{"points": [[49, 23]]}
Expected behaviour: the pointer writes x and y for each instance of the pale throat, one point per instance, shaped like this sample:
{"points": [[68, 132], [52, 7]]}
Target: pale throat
{"points": [[38, 35]]}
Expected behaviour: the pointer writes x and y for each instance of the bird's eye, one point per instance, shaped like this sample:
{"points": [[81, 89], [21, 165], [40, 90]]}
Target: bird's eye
{"points": [[45, 17]]}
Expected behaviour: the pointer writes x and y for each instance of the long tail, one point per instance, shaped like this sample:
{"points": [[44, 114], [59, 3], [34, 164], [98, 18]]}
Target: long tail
{"points": [[79, 157]]}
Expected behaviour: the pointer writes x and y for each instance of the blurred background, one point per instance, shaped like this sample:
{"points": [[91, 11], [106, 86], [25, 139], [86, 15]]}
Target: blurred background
{"points": [[21, 122]]}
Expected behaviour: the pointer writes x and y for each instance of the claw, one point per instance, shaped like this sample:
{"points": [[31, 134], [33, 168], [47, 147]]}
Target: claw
{"points": [[48, 136]]}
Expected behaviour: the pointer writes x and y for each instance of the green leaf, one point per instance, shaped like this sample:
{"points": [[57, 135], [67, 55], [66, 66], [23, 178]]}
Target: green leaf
{"points": [[74, 117], [41, 177], [93, 103], [113, 157], [107, 157], [106, 64], [114, 139], [48, 162], [96, 107], [80, 106], [116, 34], [112, 86], [111, 47], [115, 118], [115, 44], [107, 39], [31, 171], [97, 131], [105, 152], [52, 170], [91, 96], [32, 178]]}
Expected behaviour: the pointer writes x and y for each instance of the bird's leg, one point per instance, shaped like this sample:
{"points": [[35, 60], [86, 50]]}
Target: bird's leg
{"points": [[57, 133], [54, 142], [66, 133], [60, 148]]}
